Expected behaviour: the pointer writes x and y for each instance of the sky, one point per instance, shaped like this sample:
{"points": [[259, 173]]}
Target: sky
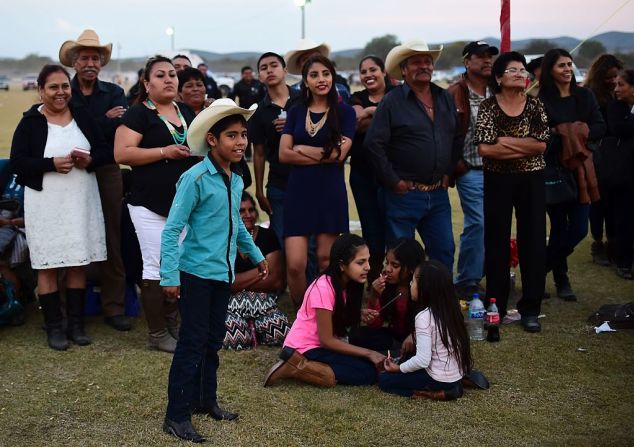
{"points": [[137, 27]]}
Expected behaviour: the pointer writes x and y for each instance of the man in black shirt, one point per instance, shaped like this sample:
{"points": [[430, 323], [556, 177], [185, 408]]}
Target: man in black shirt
{"points": [[414, 144], [248, 90], [265, 130], [107, 103]]}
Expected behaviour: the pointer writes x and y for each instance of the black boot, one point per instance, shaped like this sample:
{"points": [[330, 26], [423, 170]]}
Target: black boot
{"points": [[53, 319], [75, 299], [564, 289]]}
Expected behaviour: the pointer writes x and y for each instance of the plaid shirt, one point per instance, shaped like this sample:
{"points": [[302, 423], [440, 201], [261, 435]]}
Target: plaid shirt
{"points": [[470, 153]]}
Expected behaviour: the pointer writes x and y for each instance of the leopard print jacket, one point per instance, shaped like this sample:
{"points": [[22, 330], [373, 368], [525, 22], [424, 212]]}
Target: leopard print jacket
{"points": [[493, 123]]}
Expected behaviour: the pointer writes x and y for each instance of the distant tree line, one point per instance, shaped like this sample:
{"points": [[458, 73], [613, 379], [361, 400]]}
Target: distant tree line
{"points": [[452, 52], [379, 46]]}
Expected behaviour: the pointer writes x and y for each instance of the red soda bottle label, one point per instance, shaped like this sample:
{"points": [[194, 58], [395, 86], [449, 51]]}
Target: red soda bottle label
{"points": [[493, 318]]}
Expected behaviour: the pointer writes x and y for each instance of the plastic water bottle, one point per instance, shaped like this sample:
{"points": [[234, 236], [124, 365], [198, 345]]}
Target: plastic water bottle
{"points": [[493, 321], [476, 318]]}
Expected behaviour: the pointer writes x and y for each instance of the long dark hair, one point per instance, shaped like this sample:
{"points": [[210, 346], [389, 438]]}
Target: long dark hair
{"points": [[547, 86], [147, 71], [595, 79], [332, 121], [346, 313], [410, 254], [436, 293]]}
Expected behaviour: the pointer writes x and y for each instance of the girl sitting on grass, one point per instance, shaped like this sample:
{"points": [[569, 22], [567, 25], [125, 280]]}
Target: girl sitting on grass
{"points": [[391, 299], [316, 350], [443, 354]]}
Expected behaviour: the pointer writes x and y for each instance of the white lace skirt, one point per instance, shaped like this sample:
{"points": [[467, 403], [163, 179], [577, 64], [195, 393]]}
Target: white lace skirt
{"points": [[64, 222]]}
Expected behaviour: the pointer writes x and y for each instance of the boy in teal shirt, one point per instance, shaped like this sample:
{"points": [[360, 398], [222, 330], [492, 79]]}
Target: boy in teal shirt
{"points": [[199, 273]]}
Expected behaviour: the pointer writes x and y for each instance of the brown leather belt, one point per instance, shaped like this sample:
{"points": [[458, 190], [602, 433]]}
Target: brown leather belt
{"points": [[422, 187]]}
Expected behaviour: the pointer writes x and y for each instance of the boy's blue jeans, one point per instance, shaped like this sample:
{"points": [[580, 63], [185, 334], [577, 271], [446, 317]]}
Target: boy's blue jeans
{"points": [[192, 378]]}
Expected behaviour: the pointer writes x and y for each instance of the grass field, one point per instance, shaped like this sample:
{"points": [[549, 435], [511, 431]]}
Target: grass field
{"points": [[545, 389]]}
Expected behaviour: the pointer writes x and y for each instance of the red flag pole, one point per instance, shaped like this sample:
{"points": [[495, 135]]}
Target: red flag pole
{"points": [[505, 26]]}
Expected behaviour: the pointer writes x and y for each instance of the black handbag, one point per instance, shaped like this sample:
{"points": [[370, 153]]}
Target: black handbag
{"points": [[560, 184]]}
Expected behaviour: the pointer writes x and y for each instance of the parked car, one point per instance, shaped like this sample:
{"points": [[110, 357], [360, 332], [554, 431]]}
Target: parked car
{"points": [[4, 83], [29, 82], [225, 83]]}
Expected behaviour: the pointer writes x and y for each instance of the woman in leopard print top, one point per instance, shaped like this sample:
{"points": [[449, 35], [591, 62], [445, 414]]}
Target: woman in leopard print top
{"points": [[511, 134]]}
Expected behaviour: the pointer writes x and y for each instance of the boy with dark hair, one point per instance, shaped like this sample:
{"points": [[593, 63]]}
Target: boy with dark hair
{"points": [[199, 273]]}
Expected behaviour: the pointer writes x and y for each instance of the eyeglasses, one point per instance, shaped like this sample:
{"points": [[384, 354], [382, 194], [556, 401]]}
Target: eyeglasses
{"points": [[517, 71]]}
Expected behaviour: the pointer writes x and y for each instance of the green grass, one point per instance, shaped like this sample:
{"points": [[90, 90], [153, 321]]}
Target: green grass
{"points": [[113, 392]]}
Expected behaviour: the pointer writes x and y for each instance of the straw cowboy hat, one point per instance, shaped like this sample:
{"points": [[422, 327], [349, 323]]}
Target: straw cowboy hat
{"points": [[401, 52], [87, 39], [199, 128], [304, 46]]}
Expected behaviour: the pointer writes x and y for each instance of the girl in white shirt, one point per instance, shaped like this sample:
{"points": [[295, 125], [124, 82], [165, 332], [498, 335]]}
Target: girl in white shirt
{"points": [[443, 354]]}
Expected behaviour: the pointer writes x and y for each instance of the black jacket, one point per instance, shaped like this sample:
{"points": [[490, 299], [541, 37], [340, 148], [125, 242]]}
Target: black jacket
{"points": [[29, 141]]}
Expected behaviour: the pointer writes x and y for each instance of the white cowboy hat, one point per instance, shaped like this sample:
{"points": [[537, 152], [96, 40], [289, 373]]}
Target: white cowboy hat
{"points": [[199, 128], [304, 45], [401, 52], [87, 39]]}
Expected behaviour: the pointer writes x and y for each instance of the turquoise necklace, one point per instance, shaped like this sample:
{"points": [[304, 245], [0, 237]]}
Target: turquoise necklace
{"points": [[178, 137]]}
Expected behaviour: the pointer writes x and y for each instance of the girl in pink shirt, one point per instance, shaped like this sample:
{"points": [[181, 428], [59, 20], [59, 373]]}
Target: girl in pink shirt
{"points": [[316, 349], [443, 354]]}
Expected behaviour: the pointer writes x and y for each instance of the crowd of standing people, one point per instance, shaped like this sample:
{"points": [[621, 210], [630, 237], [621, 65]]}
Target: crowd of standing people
{"points": [[211, 276]]}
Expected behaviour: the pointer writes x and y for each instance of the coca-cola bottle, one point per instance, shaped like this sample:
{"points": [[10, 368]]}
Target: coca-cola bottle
{"points": [[493, 321]]}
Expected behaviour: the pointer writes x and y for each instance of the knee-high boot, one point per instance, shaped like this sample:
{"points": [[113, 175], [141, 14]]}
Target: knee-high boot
{"points": [[75, 299], [171, 317], [153, 301], [53, 320]]}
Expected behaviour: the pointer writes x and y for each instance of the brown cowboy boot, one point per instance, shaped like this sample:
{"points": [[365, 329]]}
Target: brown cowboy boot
{"points": [[450, 394], [293, 365]]}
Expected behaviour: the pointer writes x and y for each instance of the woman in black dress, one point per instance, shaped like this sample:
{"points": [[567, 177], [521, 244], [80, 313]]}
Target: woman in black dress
{"points": [[316, 139]]}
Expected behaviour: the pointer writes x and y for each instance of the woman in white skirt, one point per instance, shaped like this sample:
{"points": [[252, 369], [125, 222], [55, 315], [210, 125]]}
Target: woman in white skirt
{"points": [[54, 151]]}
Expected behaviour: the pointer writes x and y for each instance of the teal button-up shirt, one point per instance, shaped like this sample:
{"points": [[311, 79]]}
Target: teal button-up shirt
{"points": [[207, 205]]}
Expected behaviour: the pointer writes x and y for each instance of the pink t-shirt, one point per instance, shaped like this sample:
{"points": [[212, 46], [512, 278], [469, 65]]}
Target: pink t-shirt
{"points": [[304, 334]]}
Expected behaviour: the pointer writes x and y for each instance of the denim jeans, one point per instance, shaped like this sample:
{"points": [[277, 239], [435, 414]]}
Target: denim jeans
{"points": [[276, 199], [404, 384], [568, 227], [427, 212], [471, 258], [192, 378], [348, 369]]}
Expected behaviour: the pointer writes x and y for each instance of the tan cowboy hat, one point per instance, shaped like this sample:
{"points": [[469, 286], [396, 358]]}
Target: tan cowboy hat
{"points": [[199, 128], [401, 52], [304, 45], [87, 39]]}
